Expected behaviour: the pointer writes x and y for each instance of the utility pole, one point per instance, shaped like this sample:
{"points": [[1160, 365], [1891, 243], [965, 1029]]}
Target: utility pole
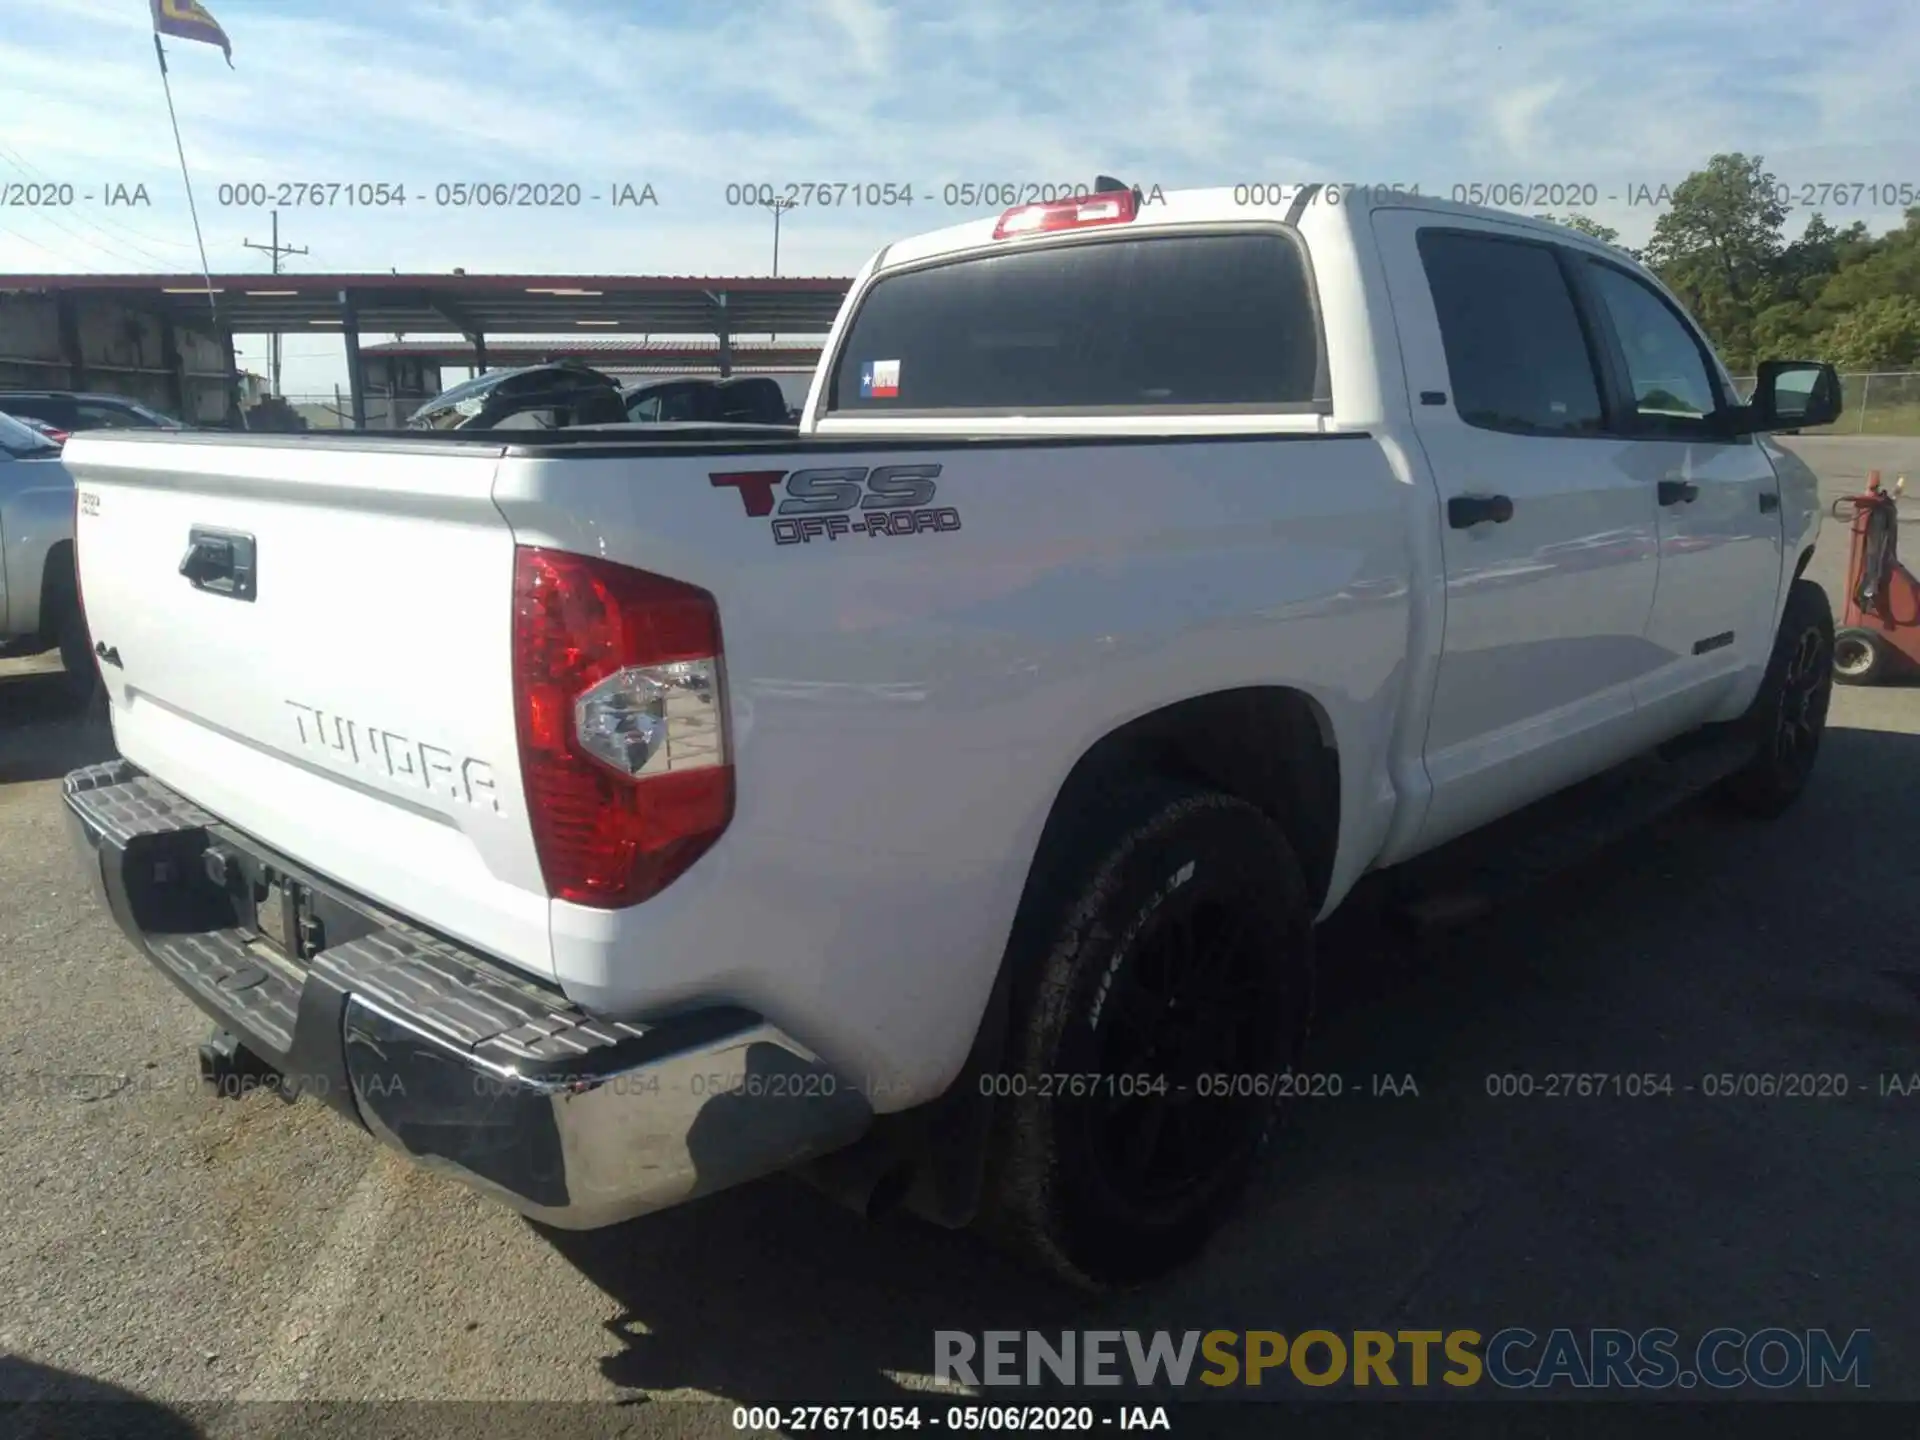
{"points": [[276, 249], [777, 205]]}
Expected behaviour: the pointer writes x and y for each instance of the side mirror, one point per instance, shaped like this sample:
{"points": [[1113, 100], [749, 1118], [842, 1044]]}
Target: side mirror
{"points": [[1793, 395]]}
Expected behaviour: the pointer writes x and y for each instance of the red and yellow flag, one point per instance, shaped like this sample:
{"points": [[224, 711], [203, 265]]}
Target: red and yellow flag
{"points": [[189, 20]]}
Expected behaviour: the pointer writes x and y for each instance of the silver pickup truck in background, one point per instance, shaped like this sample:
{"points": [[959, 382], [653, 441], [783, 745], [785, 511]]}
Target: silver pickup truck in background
{"points": [[39, 601]]}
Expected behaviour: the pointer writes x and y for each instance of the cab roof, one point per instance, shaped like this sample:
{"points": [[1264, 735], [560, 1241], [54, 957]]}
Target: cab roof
{"points": [[1212, 206]]}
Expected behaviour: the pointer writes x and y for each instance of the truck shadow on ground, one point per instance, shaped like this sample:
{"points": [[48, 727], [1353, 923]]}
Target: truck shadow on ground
{"points": [[44, 732], [45, 1403], [1702, 943]]}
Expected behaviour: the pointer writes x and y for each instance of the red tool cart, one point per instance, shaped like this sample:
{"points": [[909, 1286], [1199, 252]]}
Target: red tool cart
{"points": [[1879, 632]]}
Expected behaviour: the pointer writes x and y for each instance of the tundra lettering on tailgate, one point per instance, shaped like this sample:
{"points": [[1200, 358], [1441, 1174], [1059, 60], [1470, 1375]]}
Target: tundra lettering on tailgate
{"points": [[844, 500], [410, 764]]}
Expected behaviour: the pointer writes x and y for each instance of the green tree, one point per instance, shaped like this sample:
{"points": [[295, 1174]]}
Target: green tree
{"points": [[1871, 268], [1845, 296], [1782, 332], [1605, 234], [1878, 334], [1806, 264], [1719, 247]]}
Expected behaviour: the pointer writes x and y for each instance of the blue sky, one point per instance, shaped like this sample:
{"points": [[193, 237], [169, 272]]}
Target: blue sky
{"points": [[690, 98]]}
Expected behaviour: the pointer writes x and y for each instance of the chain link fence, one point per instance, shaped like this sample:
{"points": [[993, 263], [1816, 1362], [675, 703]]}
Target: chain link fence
{"points": [[333, 410], [1879, 402]]}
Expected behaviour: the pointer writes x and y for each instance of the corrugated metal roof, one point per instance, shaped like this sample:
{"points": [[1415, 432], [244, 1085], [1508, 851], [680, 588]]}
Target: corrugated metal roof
{"points": [[466, 304]]}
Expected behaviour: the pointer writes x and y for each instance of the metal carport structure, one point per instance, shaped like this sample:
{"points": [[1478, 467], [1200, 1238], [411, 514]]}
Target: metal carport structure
{"points": [[473, 306]]}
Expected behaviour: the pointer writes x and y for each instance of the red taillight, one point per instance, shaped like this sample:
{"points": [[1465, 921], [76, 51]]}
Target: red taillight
{"points": [[623, 735], [1110, 207], [59, 437]]}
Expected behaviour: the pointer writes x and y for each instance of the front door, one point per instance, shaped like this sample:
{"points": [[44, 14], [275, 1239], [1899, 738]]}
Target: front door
{"points": [[1719, 503]]}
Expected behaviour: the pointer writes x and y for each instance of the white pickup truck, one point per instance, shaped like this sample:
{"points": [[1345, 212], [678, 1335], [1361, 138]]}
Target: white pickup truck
{"points": [[943, 794]]}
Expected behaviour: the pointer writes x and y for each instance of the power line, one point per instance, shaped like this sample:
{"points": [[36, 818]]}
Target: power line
{"points": [[72, 234], [20, 163], [4, 230]]}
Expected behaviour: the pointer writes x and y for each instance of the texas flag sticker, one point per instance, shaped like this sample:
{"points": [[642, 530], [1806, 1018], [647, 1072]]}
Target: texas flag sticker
{"points": [[880, 380]]}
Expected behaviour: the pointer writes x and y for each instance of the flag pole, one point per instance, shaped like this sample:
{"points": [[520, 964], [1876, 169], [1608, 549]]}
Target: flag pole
{"points": [[206, 272]]}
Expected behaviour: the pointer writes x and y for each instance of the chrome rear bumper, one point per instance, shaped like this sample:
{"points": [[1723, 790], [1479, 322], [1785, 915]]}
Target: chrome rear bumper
{"points": [[454, 1059]]}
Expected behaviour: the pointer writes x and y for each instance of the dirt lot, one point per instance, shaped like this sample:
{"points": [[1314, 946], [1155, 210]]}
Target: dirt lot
{"points": [[183, 1249]]}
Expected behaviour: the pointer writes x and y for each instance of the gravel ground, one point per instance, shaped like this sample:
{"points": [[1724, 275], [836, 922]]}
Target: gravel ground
{"points": [[184, 1249]]}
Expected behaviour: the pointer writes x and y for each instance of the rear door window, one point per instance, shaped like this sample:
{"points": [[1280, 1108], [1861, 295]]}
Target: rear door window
{"points": [[689, 402], [1517, 354], [23, 441], [90, 415], [1191, 321], [544, 418]]}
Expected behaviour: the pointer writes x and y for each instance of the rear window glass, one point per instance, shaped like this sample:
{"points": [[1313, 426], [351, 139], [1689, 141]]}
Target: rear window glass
{"points": [[1200, 320], [23, 440]]}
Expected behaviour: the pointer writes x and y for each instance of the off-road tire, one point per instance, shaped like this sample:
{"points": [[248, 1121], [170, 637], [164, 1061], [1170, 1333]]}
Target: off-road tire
{"points": [[1139, 869], [1789, 715]]}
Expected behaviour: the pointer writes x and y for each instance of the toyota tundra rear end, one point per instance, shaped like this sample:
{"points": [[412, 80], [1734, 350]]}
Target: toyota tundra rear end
{"points": [[370, 744], [612, 814]]}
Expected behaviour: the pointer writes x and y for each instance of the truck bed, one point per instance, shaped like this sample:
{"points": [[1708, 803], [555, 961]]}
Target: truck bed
{"points": [[907, 687]]}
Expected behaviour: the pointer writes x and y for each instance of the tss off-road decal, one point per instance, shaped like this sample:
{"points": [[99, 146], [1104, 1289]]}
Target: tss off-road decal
{"points": [[844, 500]]}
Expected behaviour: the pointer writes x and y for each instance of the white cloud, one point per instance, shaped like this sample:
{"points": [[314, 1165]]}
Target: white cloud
{"points": [[693, 98], [866, 26]]}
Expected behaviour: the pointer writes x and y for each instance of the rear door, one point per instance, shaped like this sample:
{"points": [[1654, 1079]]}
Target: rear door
{"points": [[332, 674], [1546, 607], [1717, 497]]}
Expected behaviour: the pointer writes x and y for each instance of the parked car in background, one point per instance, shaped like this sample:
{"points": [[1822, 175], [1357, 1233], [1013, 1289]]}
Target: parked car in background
{"points": [[39, 599], [57, 436], [532, 397], [62, 412], [667, 401], [742, 400], [755, 400], [568, 393]]}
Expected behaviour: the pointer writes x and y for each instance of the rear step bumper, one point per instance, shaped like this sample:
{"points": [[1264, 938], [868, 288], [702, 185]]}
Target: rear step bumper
{"points": [[450, 1057]]}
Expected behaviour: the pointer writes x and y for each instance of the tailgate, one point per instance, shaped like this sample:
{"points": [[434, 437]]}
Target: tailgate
{"points": [[355, 711]]}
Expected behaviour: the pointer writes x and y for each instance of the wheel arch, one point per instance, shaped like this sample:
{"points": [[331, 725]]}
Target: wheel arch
{"points": [[58, 590], [1273, 746]]}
